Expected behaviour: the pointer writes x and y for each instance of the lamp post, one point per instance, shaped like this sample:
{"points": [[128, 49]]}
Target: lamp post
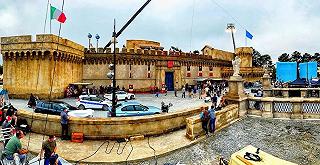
{"points": [[114, 41], [231, 28], [89, 37], [97, 37]]}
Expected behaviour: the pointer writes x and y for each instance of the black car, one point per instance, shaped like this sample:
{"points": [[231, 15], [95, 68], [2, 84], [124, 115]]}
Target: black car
{"points": [[52, 107]]}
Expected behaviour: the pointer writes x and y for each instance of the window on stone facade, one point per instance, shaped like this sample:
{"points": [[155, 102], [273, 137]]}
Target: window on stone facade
{"points": [[200, 68], [210, 68], [149, 74], [189, 74], [130, 75], [188, 68]]}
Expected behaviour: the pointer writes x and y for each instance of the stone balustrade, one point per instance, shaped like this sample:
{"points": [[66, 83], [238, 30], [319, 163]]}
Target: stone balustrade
{"points": [[110, 128], [224, 118], [293, 92], [292, 108]]}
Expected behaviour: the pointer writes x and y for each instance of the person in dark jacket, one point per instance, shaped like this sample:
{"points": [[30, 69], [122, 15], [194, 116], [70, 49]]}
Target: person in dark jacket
{"points": [[204, 116], [64, 124]]}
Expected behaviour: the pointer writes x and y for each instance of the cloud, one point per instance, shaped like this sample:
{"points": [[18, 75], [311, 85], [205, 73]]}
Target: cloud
{"points": [[278, 26]]}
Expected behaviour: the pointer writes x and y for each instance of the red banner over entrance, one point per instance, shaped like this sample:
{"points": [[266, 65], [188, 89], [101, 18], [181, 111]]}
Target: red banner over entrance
{"points": [[170, 64]]}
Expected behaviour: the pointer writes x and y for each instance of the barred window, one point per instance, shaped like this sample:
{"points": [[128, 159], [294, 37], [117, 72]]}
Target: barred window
{"points": [[130, 75], [149, 74], [210, 68]]}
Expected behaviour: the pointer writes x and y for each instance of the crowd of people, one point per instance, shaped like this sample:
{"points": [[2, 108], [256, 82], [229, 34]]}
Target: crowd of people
{"points": [[209, 91]]}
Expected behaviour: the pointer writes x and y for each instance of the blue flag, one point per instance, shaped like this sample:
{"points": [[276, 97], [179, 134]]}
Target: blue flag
{"points": [[249, 35]]}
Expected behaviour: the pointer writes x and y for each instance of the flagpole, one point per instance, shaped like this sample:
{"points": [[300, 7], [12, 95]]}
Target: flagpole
{"points": [[246, 40], [45, 21], [50, 19]]}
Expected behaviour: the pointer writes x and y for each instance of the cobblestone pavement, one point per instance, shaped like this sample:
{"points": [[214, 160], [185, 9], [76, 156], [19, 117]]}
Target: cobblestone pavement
{"points": [[295, 141], [145, 99]]}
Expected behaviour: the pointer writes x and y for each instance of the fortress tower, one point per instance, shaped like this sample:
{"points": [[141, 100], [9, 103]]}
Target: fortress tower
{"points": [[32, 66], [245, 54]]}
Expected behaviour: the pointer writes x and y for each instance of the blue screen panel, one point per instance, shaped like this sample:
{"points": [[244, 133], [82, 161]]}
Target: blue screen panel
{"points": [[308, 69], [286, 71]]}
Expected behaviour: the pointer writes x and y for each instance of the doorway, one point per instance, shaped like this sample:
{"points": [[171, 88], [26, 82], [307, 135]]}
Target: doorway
{"points": [[169, 81]]}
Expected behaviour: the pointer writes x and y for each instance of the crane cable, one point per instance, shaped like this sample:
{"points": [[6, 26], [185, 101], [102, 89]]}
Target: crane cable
{"points": [[191, 28]]}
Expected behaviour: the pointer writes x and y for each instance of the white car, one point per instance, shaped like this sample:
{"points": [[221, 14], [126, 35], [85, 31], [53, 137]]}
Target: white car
{"points": [[93, 102], [121, 95], [81, 113]]}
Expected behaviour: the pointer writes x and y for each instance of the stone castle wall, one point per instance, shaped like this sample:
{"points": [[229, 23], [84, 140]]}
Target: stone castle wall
{"points": [[95, 68], [29, 65]]}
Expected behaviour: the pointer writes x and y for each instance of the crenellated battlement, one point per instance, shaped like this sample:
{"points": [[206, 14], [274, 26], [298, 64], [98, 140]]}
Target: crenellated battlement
{"points": [[30, 65], [138, 56], [43, 42]]}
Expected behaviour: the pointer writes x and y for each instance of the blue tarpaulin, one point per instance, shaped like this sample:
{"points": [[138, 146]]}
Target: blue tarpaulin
{"points": [[286, 71], [308, 69]]}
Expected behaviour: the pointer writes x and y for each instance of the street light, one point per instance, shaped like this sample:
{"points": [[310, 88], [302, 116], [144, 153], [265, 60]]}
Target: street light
{"points": [[231, 28], [114, 41], [97, 37], [89, 37]]}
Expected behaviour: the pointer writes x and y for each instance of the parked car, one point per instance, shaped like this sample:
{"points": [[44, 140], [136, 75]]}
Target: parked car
{"points": [[121, 95], [81, 113], [56, 107], [93, 102], [134, 109]]}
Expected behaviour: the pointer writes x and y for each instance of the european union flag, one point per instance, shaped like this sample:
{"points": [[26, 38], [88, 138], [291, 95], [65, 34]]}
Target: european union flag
{"points": [[249, 35]]}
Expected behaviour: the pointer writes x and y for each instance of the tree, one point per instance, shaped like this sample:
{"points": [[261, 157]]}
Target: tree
{"points": [[259, 60], [285, 57], [256, 58], [266, 60], [316, 57], [306, 57], [296, 57]]}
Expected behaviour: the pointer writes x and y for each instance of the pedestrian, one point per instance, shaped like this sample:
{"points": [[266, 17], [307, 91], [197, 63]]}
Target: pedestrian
{"points": [[157, 92], [64, 124], [48, 150], [204, 116], [190, 91], [166, 90], [212, 122], [14, 150], [200, 92], [194, 91], [183, 92], [175, 92], [214, 100]]}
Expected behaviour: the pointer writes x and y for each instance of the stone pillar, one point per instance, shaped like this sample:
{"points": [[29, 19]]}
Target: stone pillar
{"points": [[236, 94], [285, 92], [267, 104], [303, 92], [297, 109], [266, 84]]}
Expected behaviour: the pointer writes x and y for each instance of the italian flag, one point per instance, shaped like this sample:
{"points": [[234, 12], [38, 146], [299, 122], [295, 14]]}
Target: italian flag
{"points": [[57, 14]]}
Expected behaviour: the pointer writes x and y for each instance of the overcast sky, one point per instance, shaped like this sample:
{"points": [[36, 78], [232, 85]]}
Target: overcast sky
{"points": [[277, 26]]}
